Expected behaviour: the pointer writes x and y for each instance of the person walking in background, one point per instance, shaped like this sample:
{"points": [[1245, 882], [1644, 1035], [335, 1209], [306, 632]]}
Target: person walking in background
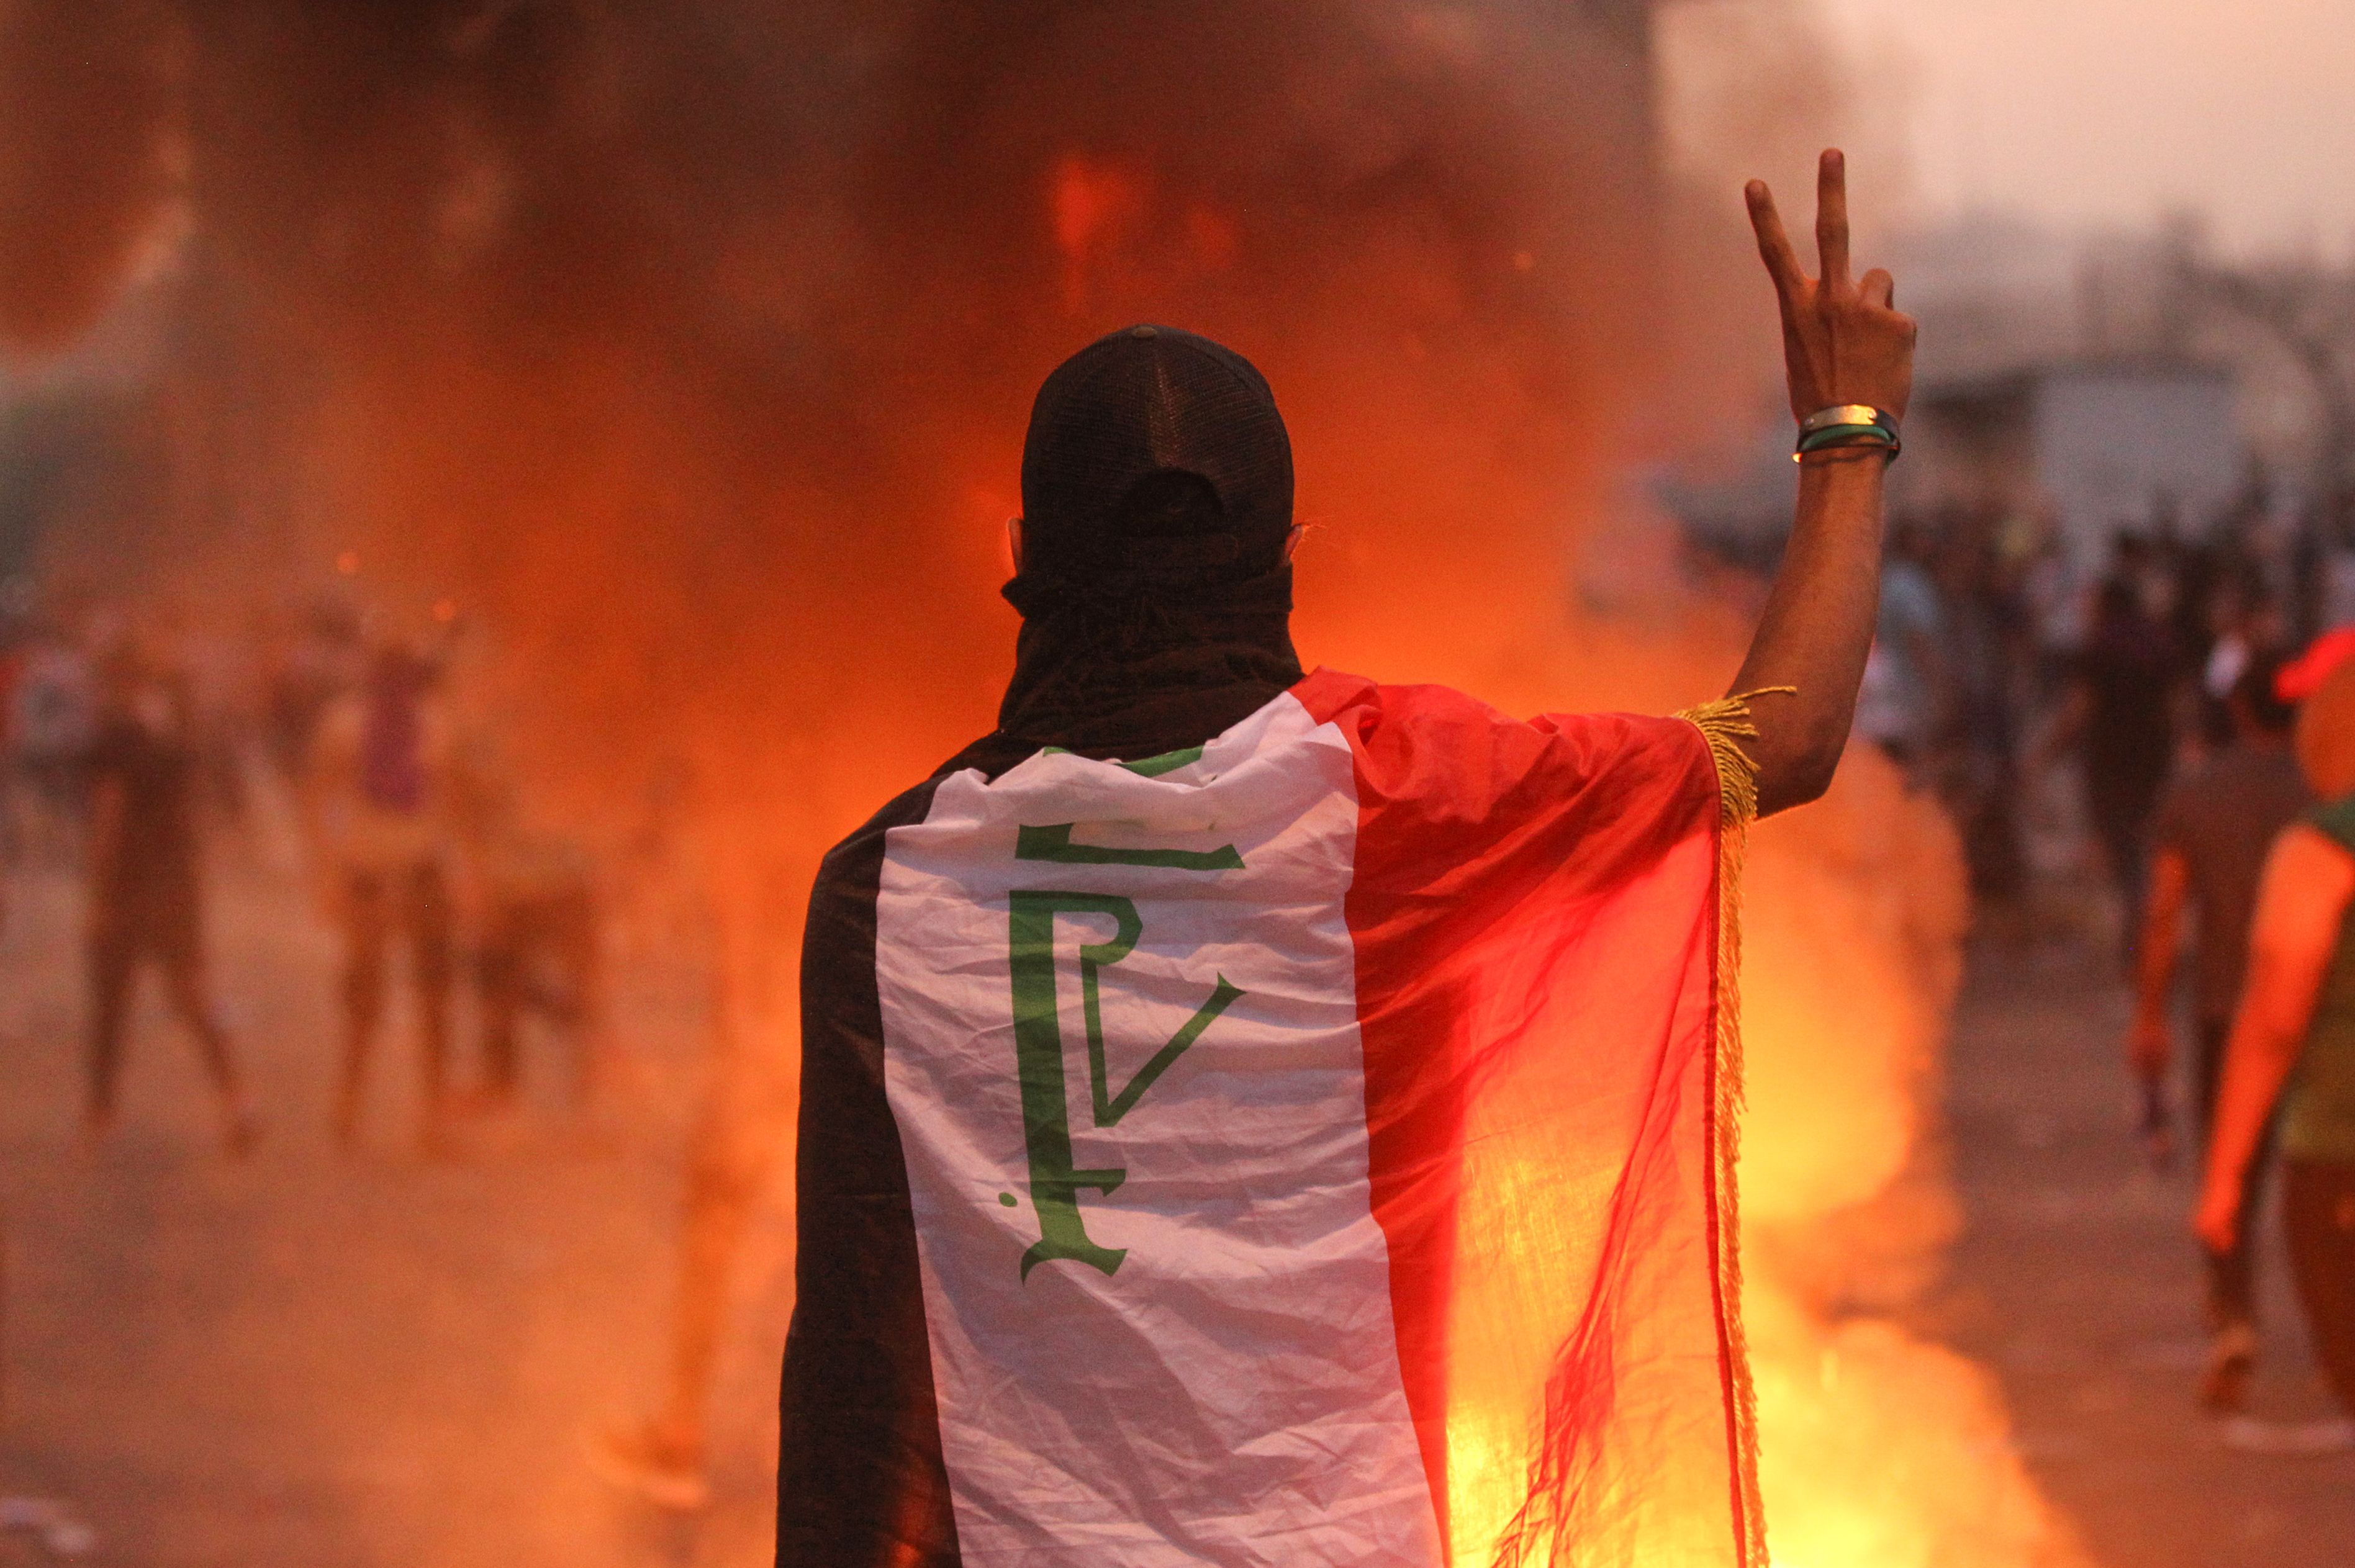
{"points": [[2293, 1043], [538, 953], [316, 664], [536, 930], [52, 706], [1900, 707], [374, 804], [2209, 839], [2245, 625], [15, 649], [147, 881], [1976, 759], [2120, 716]]}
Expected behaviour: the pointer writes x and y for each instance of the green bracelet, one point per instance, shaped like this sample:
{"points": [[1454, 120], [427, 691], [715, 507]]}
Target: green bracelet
{"points": [[1839, 435], [1879, 435]]}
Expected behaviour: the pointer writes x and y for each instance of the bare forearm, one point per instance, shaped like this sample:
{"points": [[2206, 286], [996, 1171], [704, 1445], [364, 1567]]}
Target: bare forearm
{"points": [[1817, 627], [2302, 904], [2256, 1065], [1845, 348]]}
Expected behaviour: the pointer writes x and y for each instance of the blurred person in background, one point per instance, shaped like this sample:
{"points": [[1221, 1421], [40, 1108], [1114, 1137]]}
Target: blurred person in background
{"points": [[538, 957], [311, 668], [1900, 708], [2119, 715], [2179, 580], [2051, 594], [750, 1092], [2145, 563], [16, 648], [222, 686], [2293, 1045], [376, 800], [146, 879], [2331, 552], [534, 923], [53, 708], [2244, 625], [1977, 755], [2210, 837]]}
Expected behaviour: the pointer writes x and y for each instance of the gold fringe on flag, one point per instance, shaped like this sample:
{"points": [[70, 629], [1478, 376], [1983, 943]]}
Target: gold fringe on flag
{"points": [[1725, 725]]}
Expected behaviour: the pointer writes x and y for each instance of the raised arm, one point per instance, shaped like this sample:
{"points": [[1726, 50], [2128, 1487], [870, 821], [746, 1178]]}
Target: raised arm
{"points": [[2301, 902], [1843, 343]]}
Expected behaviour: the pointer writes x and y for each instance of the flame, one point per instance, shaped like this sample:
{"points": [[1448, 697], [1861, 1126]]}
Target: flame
{"points": [[1878, 1449], [1120, 235], [703, 394], [1096, 205]]}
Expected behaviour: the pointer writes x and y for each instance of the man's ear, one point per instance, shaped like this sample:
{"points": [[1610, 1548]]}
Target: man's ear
{"points": [[1014, 543], [1291, 540]]}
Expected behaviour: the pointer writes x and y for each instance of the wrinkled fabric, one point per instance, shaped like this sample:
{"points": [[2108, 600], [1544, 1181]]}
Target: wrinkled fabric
{"points": [[1302, 1148], [1536, 911], [1116, 662]]}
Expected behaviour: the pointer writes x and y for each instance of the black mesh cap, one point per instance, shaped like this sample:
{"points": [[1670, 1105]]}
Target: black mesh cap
{"points": [[1158, 452]]}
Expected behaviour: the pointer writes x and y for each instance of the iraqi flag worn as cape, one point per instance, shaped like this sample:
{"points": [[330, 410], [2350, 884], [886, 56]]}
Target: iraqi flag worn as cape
{"points": [[1313, 1147]]}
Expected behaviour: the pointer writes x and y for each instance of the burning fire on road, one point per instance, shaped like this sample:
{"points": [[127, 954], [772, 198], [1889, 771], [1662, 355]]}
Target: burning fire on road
{"points": [[687, 347]]}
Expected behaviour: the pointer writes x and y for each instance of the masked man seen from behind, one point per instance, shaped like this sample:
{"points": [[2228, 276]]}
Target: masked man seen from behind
{"points": [[1229, 1090]]}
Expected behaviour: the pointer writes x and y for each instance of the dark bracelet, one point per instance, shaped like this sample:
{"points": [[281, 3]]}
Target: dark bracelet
{"points": [[1845, 453], [1849, 425]]}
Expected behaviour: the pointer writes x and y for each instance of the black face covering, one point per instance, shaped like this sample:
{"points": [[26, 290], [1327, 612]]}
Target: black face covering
{"points": [[1156, 598]]}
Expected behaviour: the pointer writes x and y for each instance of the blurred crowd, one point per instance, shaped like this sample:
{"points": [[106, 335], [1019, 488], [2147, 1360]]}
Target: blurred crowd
{"points": [[2181, 719], [145, 746], [147, 751], [2047, 700], [2121, 717], [328, 758]]}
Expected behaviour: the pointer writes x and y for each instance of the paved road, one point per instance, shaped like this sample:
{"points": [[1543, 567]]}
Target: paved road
{"points": [[308, 1361], [2075, 1282], [316, 1361]]}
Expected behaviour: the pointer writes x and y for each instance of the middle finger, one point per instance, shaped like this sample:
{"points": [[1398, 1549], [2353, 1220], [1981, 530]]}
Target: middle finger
{"points": [[1831, 218]]}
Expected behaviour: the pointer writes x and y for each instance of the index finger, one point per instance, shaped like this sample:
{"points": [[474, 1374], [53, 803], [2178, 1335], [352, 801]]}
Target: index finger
{"points": [[1831, 215], [1774, 243]]}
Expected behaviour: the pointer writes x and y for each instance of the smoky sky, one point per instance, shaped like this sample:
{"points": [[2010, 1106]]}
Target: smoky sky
{"points": [[687, 344]]}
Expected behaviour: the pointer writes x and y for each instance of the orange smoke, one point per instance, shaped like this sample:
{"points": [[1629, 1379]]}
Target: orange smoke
{"points": [[1093, 204], [1120, 238], [690, 357]]}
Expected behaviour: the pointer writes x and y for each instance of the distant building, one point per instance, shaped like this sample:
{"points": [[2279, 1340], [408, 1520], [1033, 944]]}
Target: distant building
{"points": [[73, 457], [2084, 448], [81, 437], [2094, 446]]}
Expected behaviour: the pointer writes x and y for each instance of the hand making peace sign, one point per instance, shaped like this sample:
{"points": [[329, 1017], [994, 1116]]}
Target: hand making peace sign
{"points": [[1843, 341]]}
